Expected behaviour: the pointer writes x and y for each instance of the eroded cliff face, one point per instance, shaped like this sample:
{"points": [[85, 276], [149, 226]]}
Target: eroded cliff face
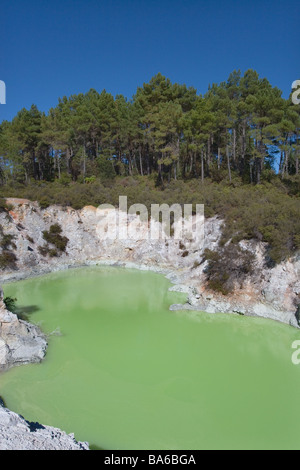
{"points": [[271, 293]]}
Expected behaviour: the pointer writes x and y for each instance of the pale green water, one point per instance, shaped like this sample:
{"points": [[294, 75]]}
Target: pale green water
{"points": [[127, 373]]}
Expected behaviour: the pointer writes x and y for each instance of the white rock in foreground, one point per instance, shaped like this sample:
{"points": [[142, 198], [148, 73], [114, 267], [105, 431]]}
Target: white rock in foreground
{"points": [[18, 434]]}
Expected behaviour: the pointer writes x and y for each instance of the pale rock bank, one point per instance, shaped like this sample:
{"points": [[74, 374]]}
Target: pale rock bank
{"points": [[18, 434], [23, 343], [20, 342], [270, 293]]}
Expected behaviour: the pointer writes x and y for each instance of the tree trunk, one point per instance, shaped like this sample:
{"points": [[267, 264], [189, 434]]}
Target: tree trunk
{"points": [[141, 161], [228, 163], [234, 148], [202, 165]]}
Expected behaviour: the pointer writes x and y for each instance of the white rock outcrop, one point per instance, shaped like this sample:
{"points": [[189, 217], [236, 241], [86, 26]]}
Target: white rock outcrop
{"points": [[18, 434], [20, 342]]}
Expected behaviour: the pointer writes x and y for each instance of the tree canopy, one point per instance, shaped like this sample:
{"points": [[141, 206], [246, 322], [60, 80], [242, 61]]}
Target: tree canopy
{"points": [[239, 127]]}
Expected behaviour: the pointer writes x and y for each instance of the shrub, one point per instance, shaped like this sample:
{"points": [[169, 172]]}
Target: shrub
{"points": [[53, 237], [227, 267], [10, 304], [45, 202], [6, 241], [2, 205], [43, 250], [7, 257], [90, 180], [7, 260]]}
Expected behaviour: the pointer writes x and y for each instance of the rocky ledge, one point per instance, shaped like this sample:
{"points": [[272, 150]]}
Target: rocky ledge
{"points": [[23, 343], [18, 434], [20, 342]]}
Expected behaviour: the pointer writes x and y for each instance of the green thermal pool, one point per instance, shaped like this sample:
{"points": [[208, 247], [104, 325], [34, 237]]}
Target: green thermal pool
{"points": [[127, 373]]}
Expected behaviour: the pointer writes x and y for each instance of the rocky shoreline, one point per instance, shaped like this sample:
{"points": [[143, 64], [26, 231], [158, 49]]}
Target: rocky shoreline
{"points": [[18, 434], [22, 343], [269, 293]]}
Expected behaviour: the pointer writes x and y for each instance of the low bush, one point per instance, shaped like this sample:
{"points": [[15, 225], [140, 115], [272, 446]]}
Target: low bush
{"points": [[7, 257], [7, 260], [53, 237], [228, 267], [10, 304], [2, 204]]}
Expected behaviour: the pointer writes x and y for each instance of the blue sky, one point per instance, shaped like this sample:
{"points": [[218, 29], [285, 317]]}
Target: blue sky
{"points": [[54, 48]]}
